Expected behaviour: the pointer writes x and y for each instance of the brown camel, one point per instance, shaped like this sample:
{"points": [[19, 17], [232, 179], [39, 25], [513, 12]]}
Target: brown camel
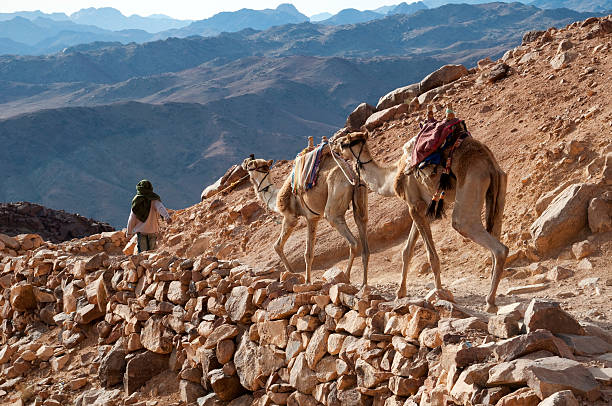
{"points": [[329, 198], [477, 179]]}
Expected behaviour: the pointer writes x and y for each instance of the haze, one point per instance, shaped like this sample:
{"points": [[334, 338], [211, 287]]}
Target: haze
{"points": [[187, 9]]}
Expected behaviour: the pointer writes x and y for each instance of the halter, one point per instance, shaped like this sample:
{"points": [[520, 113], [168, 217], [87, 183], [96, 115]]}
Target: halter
{"points": [[263, 169], [359, 163]]}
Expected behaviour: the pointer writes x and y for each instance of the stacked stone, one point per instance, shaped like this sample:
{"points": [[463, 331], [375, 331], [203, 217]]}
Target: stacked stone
{"points": [[236, 336]]}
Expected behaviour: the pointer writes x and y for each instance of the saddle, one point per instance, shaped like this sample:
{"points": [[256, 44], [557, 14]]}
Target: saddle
{"points": [[434, 138], [306, 168]]}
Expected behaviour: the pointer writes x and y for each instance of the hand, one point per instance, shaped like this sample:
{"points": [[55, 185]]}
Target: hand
{"points": [[128, 235]]}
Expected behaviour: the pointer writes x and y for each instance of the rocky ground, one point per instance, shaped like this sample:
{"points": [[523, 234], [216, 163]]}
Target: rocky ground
{"points": [[210, 317]]}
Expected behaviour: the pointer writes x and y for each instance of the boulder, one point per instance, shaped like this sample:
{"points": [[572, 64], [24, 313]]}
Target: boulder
{"points": [[498, 72], [317, 346], [301, 377], [547, 315], [503, 326], [564, 218], [141, 368], [586, 345], [22, 297], [9, 242], [561, 398], [515, 347], [227, 387], [398, 96], [190, 392], [223, 332], [253, 362], [563, 59], [239, 304], [599, 215], [352, 323], [446, 74], [112, 367], [273, 333], [521, 397], [153, 337], [178, 293], [358, 117], [559, 273], [549, 375], [380, 117]]}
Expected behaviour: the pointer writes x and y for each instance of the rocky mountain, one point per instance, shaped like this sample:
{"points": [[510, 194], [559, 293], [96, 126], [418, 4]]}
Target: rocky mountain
{"points": [[351, 16], [578, 5], [240, 20], [100, 119], [112, 19], [22, 36], [52, 225]]}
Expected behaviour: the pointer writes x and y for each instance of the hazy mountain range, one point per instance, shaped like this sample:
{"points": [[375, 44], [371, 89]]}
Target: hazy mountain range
{"points": [[37, 33], [80, 128]]}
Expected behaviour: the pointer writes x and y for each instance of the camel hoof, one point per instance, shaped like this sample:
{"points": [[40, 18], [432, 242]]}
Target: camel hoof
{"points": [[401, 292], [491, 308]]}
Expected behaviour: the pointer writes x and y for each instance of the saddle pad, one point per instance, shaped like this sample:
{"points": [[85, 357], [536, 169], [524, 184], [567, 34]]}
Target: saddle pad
{"points": [[306, 169], [430, 138]]}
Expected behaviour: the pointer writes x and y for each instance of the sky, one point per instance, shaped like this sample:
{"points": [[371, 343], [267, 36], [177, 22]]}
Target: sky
{"points": [[189, 9]]}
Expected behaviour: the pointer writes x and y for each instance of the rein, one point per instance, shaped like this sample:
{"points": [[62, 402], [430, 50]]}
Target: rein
{"points": [[358, 162]]}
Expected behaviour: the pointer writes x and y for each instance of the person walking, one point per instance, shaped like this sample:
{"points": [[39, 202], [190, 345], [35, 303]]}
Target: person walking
{"points": [[143, 220]]}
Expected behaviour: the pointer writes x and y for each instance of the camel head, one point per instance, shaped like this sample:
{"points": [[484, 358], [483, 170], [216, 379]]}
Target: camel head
{"points": [[258, 165], [351, 144]]}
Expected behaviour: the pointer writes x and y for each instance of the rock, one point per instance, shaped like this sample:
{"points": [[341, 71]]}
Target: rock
{"points": [[404, 386], [142, 368], [223, 332], [563, 219], [358, 117], [603, 375], [112, 367], [521, 397], [498, 72], [22, 297], [316, 347], [532, 36], [273, 333], [420, 318], [201, 243], [582, 249], [561, 398], [239, 304], [253, 362], [153, 337], [564, 45], [600, 215], [352, 323], [284, 306], [177, 293], [301, 376], [519, 290], [402, 346], [553, 374], [43, 353], [563, 59], [88, 313], [190, 392], [368, 376], [446, 74], [559, 273], [380, 117], [326, 370], [226, 387], [97, 293], [541, 314], [503, 326], [401, 95], [586, 345], [515, 347], [9, 242], [77, 383], [335, 275]]}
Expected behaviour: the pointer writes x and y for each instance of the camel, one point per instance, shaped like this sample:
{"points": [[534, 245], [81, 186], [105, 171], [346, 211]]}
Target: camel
{"points": [[329, 198], [477, 179]]}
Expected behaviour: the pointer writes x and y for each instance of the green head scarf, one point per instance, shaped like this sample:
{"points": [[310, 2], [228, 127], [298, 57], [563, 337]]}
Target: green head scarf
{"points": [[141, 203]]}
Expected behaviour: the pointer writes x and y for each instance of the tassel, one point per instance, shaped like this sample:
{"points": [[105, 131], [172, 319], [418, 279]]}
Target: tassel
{"points": [[440, 209], [445, 181], [431, 210]]}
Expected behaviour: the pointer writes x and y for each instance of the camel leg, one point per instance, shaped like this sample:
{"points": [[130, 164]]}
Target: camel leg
{"points": [[407, 253], [466, 220], [339, 223], [310, 241], [360, 214], [422, 224], [289, 224]]}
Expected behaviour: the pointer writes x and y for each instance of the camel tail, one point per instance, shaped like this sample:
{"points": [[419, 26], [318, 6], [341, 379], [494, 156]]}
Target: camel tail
{"points": [[495, 202]]}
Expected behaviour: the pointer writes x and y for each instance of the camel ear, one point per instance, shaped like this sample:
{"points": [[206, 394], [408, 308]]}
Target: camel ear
{"points": [[270, 162]]}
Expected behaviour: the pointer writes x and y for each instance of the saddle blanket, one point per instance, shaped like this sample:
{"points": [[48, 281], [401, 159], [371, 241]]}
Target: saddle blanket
{"points": [[306, 169], [431, 137]]}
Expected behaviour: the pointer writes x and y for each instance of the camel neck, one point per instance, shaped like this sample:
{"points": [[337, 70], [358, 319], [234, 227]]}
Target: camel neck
{"points": [[265, 189], [379, 179]]}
